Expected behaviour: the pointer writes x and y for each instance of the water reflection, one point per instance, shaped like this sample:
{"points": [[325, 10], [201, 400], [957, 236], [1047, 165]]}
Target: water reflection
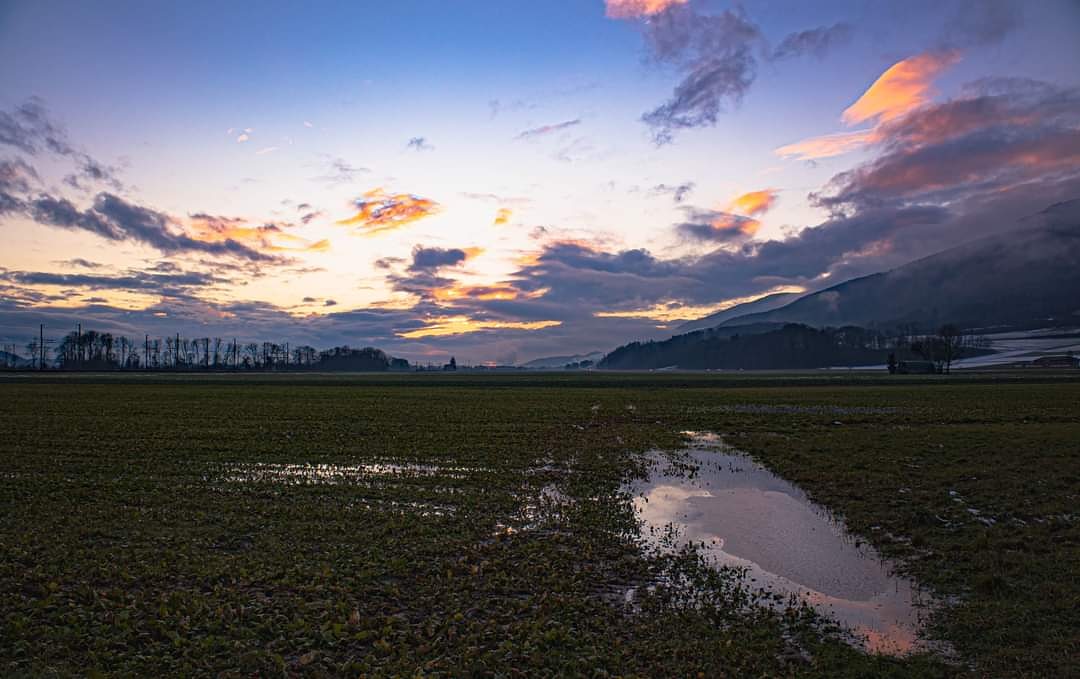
{"points": [[748, 517], [331, 474]]}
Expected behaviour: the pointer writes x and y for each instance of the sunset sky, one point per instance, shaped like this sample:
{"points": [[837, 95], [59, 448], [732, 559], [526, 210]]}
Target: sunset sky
{"points": [[503, 180]]}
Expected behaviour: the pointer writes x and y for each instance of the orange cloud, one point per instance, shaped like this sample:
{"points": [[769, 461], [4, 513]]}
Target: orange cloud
{"points": [[905, 86], [380, 212], [729, 222], [738, 216], [502, 216], [459, 325], [677, 311], [828, 145], [458, 292], [268, 237], [753, 203], [630, 9]]}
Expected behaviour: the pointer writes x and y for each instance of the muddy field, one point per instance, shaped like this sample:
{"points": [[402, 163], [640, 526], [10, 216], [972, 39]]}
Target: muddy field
{"points": [[505, 525]]}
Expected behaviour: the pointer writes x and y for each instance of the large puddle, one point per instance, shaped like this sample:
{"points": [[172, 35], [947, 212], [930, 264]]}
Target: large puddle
{"points": [[748, 517]]}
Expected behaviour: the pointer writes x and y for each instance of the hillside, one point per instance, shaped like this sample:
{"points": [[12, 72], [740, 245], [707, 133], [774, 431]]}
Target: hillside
{"points": [[560, 361], [790, 347], [766, 303], [1023, 276]]}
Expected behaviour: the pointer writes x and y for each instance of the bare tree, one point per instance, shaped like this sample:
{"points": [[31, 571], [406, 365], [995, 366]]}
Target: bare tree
{"points": [[951, 341]]}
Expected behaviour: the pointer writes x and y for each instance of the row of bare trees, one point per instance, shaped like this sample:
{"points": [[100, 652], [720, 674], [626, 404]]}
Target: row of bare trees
{"points": [[943, 346], [93, 350]]}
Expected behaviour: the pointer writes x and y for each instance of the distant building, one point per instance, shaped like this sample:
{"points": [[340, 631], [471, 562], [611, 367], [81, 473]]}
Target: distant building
{"points": [[1056, 362], [916, 368], [451, 366]]}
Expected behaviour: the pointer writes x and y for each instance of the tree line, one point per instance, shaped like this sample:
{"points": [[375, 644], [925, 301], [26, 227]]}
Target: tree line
{"points": [[94, 350], [791, 346]]}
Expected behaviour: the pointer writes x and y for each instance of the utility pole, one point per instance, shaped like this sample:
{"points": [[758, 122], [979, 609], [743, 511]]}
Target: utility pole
{"points": [[176, 352], [146, 352], [41, 347], [78, 344]]}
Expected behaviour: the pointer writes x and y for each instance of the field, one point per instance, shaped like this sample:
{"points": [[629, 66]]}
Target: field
{"points": [[156, 525]]}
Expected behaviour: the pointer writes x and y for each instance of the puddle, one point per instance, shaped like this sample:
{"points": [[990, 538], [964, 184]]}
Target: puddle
{"points": [[537, 511], [748, 517]]}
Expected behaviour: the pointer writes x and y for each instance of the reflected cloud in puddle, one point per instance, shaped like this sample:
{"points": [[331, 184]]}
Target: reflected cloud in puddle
{"points": [[750, 518]]}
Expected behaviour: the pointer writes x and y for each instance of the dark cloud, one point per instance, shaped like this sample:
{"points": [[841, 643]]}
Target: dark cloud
{"points": [[1000, 133], [544, 130], [310, 216], [114, 218], [90, 172], [717, 56], [422, 283], [330, 302], [589, 279], [717, 226], [339, 171], [419, 144], [433, 259], [568, 282], [17, 175], [142, 281], [63, 213], [814, 41], [715, 53], [388, 262], [30, 129], [152, 227], [677, 192], [10, 204], [80, 263]]}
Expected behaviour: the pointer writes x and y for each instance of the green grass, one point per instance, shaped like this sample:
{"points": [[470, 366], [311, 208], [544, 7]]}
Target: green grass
{"points": [[124, 549]]}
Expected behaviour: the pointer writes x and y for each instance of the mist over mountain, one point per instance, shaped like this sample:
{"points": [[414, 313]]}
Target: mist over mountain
{"points": [[1022, 278], [560, 361], [766, 303], [1031, 274]]}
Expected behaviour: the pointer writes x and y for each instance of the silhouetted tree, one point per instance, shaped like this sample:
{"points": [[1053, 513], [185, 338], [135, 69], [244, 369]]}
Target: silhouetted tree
{"points": [[951, 341]]}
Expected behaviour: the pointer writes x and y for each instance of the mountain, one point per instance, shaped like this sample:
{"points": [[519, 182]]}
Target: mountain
{"points": [[560, 361], [790, 347], [1026, 277], [1030, 275], [766, 303]]}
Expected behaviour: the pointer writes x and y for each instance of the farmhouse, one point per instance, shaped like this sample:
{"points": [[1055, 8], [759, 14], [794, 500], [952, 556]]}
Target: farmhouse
{"points": [[1056, 362], [916, 368]]}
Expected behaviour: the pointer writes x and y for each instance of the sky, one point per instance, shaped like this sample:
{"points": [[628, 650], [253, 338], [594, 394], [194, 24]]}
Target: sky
{"points": [[505, 180]]}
